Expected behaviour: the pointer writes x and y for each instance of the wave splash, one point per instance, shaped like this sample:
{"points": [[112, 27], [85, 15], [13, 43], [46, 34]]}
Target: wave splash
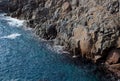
{"points": [[15, 22], [12, 21], [11, 36], [58, 49]]}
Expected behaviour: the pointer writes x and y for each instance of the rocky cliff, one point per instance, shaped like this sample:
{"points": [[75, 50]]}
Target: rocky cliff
{"points": [[4, 5], [86, 28]]}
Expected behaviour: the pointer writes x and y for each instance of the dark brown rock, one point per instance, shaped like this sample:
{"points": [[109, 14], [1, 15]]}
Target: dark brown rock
{"points": [[4, 5], [115, 68], [113, 57], [114, 6]]}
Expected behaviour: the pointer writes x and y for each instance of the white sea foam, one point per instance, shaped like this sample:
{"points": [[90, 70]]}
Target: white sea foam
{"points": [[11, 36], [58, 49], [11, 80], [2, 14], [12, 21], [15, 22]]}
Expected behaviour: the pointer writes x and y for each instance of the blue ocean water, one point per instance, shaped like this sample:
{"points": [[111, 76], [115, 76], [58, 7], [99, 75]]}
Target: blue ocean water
{"points": [[24, 58]]}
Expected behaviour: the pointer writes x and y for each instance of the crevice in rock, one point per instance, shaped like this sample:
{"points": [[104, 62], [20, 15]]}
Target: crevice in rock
{"points": [[104, 55]]}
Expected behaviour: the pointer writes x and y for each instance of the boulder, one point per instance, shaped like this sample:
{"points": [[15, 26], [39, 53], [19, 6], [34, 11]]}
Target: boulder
{"points": [[113, 57], [66, 7], [115, 68], [82, 40], [74, 3]]}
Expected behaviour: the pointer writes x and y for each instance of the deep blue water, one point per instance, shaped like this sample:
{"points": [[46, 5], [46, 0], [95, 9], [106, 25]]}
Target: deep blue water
{"points": [[24, 58]]}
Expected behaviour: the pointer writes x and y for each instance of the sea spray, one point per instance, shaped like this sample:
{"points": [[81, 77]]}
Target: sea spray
{"points": [[11, 36], [12, 21]]}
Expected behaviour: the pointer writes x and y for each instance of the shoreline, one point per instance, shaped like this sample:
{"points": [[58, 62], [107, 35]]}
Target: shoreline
{"points": [[102, 70], [68, 54], [89, 29], [108, 74]]}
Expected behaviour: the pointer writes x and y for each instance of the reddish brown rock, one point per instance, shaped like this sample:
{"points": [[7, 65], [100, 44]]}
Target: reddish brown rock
{"points": [[113, 57], [115, 68], [66, 7], [83, 40], [118, 42]]}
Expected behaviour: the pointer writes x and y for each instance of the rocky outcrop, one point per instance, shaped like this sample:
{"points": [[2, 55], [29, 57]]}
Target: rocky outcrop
{"points": [[4, 5], [113, 57], [115, 68], [87, 28]]}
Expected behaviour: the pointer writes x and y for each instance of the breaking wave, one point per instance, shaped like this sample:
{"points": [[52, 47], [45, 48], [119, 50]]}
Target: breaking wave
{"points": [[12, 21], [11, 36]]}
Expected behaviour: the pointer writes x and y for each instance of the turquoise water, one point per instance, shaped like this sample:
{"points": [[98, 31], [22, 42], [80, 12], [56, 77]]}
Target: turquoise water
{"points": [[24, 58]]}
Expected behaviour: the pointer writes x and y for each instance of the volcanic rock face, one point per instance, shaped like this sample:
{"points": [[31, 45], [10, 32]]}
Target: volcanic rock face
{"points": [[88, 28]]}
